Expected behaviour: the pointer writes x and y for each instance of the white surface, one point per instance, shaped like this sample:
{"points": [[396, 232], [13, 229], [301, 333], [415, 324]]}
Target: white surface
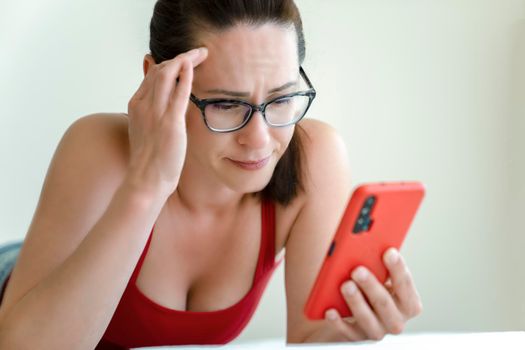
{"points": [[429, 341], [430, 90]]}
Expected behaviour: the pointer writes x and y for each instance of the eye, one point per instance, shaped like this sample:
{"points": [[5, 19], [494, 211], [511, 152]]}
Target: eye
{"points": [[283, 101], [224, 106]]}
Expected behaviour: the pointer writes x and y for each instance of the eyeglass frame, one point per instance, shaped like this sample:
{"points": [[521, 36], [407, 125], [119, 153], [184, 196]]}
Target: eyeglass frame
{"points": [[203, 103]]}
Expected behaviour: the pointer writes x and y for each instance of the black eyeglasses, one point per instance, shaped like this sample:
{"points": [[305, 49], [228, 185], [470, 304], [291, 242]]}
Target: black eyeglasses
{"points": [[226, 115]]}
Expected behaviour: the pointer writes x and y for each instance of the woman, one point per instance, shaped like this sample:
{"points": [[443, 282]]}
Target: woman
{"points": [[162, 226]]}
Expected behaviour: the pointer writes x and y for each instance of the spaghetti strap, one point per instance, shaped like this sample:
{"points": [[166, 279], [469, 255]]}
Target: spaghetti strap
{"points": [[139, 321], [268, 233]]}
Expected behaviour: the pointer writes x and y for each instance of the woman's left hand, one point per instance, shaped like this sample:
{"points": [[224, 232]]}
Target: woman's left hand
{"points": [[390, 305]]}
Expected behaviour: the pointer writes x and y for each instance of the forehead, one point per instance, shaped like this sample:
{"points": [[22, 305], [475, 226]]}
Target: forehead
{"points": [[246, 53]]}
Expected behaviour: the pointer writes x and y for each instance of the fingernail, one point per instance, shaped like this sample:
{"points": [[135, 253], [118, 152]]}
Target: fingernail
{"points": [[392, 256], [360, 274], [331, 314], [349, 288], [197, 51], [202, 50]]}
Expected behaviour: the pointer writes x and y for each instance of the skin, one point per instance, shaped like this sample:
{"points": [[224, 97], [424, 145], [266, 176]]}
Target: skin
{"points": [[165, 167], [253, 70], [249, 74]]}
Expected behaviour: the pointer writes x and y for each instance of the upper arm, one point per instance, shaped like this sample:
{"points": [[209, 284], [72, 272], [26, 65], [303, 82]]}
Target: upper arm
{"points": [[80, 182], [327, 188]]}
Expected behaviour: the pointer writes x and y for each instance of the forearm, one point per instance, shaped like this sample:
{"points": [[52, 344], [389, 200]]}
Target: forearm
{"points": [[72, 306]]}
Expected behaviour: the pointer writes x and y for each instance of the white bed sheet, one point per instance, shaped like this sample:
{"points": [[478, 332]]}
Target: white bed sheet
{"points": [[419, 341]]}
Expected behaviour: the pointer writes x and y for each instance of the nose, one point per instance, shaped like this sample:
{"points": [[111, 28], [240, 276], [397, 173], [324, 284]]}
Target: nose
{"points": [[256, 133]]}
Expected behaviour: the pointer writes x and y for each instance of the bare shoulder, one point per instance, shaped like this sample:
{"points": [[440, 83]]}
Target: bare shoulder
{"points": [[322, 145], [324, 168], [323, 149], [94, 147], [87, 167], [104, 129], [326, 190]]}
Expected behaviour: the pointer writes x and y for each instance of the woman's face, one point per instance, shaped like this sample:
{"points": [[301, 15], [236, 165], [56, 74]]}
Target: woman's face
{"points": [[245, 63]]}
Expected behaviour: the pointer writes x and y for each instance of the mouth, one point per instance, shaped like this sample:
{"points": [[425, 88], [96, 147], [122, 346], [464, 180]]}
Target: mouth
{"points": [[251, 164]]}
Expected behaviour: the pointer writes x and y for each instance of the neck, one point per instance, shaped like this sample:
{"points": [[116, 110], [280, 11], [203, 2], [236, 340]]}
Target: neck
{"points": [[199, 193]]}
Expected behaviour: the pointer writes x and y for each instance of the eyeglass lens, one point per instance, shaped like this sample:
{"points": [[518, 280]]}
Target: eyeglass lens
{"points": [[229, 115]]}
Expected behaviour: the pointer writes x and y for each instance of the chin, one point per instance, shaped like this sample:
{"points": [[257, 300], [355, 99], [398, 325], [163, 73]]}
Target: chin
{"points": [[243, 181], [250, 185]]}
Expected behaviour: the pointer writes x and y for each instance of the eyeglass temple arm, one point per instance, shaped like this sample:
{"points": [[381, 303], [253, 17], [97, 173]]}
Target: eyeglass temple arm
{"points": [[301, 70]]}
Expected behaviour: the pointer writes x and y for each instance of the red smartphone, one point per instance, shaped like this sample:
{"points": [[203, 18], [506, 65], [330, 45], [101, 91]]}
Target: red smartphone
{"points": [[377, 217]]}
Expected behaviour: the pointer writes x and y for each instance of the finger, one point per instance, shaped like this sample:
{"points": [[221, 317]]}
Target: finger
{"points": [[144, 87], [199, 57], [381, 304], [168, 74], [350, 320], [388, 284], [343, 328], [164, 84], [196, 59], [405, 293], [364, 317], [178, 103], [196, 55]]}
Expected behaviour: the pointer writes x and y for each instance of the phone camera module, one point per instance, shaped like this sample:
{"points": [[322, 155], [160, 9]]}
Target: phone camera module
{"points": [[364, 221], [370, 201]]}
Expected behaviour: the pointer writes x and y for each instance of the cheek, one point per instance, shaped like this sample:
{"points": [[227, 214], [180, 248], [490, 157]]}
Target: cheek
{"points": [[194, 120], [283, 136], [197, 133], [202, 142]]}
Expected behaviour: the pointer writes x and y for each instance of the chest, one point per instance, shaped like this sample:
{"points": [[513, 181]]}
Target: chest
{"points": [[206, 267]]}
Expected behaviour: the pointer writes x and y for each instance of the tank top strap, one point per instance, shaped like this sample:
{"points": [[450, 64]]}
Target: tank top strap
{"points": [[135, 274], [268, 233], [267, 241]]}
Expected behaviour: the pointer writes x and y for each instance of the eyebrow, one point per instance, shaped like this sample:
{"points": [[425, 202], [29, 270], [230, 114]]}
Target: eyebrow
{"points": [[246, 94]]}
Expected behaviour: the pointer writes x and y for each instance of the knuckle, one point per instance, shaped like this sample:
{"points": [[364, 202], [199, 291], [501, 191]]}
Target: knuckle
{"points": [[378, 335], [349, 291], [154, 70], [417, 309], [343, 333], [380, 303], [340, 329], [182, 60], [185, 59], [413, 309], [133, 103], [163, 75], [406, 279], [397, 328]]}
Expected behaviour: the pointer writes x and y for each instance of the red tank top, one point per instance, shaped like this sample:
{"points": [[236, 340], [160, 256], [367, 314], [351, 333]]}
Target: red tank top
{"points": [[138, 321]]}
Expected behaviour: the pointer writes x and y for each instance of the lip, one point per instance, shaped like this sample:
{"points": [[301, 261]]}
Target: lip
{"points": [[251, 164]]}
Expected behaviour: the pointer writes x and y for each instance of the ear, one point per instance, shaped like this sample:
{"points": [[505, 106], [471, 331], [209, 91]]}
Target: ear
{"points": [[148, 62]]}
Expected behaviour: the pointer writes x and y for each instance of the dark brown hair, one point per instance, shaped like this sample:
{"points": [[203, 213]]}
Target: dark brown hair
{"points": [[174, 29]]}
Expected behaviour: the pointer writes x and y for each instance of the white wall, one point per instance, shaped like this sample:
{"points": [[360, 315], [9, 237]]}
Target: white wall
{"points": [[422, 89], [516, 151]]}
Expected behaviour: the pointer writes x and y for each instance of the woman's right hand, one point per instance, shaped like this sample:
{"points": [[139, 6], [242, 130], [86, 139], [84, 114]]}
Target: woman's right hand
{"points": [[157, 128]]}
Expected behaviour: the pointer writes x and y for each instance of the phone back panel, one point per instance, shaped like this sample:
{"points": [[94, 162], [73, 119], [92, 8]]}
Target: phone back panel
{"points": [[394, 207]]}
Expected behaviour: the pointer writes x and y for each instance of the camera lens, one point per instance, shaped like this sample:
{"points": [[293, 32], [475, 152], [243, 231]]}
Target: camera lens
{"points": [[367, 224], [358, 227], [370, 201]]}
